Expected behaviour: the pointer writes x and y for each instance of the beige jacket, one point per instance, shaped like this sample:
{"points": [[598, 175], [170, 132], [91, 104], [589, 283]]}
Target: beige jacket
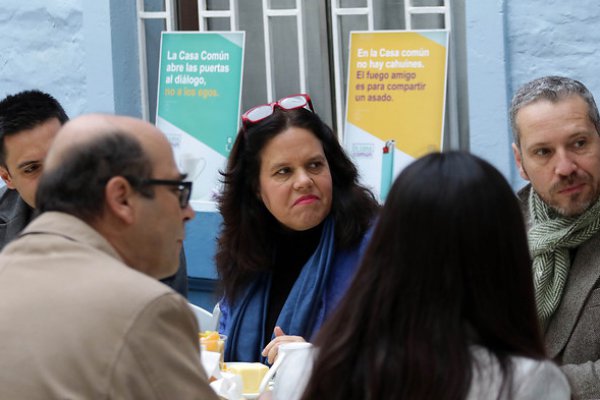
{"points": [[77, 323]]}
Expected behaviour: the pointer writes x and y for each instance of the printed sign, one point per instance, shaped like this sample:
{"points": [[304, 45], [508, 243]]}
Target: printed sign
{"points": [[396, 100], [199, 93]]}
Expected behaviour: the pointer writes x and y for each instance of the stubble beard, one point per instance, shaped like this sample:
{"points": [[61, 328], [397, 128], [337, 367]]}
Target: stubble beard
{"points": [[578, 203]]}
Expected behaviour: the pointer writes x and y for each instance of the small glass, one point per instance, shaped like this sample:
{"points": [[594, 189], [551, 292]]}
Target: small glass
{"points": [[213, 341]]}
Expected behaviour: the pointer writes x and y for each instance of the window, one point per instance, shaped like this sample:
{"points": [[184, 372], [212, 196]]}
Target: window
{"points": [[302, 46]]}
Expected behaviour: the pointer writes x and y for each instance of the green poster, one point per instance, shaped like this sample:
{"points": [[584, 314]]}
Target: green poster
{"points": [[198, 107]]}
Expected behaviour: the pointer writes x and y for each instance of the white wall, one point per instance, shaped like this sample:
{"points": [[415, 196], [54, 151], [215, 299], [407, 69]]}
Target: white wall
{"points": [[83, 52]]}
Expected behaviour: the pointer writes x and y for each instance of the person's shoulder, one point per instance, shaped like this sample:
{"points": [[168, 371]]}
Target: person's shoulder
{"points": [[73, 248], [15, 214], [162, 303], [523, 199], [539, 379], [8, 195], [131, 285], [5, 191], [10, 204], [163, 332], [523, 193], [530, 378], [133, 296]]}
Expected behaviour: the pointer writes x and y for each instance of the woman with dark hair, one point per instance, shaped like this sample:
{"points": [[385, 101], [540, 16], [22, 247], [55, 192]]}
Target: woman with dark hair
{"points": [[295, 222], [442, 305]]}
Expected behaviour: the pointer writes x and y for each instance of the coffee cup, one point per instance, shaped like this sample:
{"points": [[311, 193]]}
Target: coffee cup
{"points": [[192, 165], [284, 351]]}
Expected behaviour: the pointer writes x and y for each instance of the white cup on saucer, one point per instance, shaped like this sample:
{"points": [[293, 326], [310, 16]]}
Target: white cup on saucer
{"points": [[284, 351]]}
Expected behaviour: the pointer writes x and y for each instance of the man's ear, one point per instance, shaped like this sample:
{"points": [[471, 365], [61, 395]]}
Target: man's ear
{"points": [[519, 161], [118, 193], [5, 175]]}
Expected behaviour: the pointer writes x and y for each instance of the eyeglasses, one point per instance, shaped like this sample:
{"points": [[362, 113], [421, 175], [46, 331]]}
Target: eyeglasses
{"points": [[258, 113], [184, 188]]}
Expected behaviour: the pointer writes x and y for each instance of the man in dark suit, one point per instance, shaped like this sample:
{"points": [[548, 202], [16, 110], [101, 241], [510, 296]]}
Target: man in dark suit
{"points": [[29, 121], [556, 129]]}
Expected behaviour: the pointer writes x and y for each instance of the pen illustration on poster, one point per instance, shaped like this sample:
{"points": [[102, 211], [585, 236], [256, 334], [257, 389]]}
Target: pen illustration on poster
{"points": [[395, 101], [198, 106]]}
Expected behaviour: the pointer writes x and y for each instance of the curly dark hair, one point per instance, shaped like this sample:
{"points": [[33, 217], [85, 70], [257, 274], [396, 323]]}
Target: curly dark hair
{"points": [[246, 241]]}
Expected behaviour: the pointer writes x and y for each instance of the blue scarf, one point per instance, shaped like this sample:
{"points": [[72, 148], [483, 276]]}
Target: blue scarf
{"points": [[300, 313]]}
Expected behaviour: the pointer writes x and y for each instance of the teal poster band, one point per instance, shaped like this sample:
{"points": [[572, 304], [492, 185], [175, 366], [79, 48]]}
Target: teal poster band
{"points": [[387, 169], [198, 109], [200, 85]]}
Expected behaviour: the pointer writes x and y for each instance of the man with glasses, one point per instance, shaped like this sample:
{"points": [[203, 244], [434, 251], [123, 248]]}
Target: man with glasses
{"points": [[81, 312], [29, 121]]}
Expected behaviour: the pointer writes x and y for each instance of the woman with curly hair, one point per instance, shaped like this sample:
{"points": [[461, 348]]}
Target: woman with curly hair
{"points": [[295, 221]]}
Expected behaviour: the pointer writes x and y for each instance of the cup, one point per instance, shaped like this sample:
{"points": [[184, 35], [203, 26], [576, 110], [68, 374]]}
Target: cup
{"points": [[213, 341], [192, 165], [284, 351]]}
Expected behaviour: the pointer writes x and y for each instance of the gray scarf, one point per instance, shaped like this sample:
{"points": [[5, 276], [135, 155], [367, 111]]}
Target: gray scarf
{"points": [[550, 239]]}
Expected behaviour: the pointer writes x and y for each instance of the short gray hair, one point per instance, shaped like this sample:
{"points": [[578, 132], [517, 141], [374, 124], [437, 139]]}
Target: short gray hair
{"points": [[553, 89]]}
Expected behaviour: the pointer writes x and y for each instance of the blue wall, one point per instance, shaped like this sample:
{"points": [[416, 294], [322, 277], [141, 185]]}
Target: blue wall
{"points": [[82, 52], [201, 233], [42, 46], [513, 41], [486, 72]]}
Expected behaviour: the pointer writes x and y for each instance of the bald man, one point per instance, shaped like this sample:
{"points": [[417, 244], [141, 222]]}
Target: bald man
{"points": [[82, 314]]}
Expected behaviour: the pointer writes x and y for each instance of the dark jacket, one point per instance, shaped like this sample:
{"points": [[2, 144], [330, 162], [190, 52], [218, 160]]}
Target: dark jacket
{"points": [[15, 214], [572, 336]]}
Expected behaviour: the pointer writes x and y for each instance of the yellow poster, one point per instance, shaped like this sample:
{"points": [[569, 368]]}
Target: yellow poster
{"points": [[395, 101]]}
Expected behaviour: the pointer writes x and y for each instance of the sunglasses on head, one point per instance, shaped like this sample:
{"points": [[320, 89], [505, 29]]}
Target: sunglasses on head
{"points": [[258, 113]]}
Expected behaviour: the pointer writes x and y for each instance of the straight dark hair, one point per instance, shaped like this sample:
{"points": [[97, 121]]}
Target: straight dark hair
{"points": [[246, 240], [448, 267]]}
